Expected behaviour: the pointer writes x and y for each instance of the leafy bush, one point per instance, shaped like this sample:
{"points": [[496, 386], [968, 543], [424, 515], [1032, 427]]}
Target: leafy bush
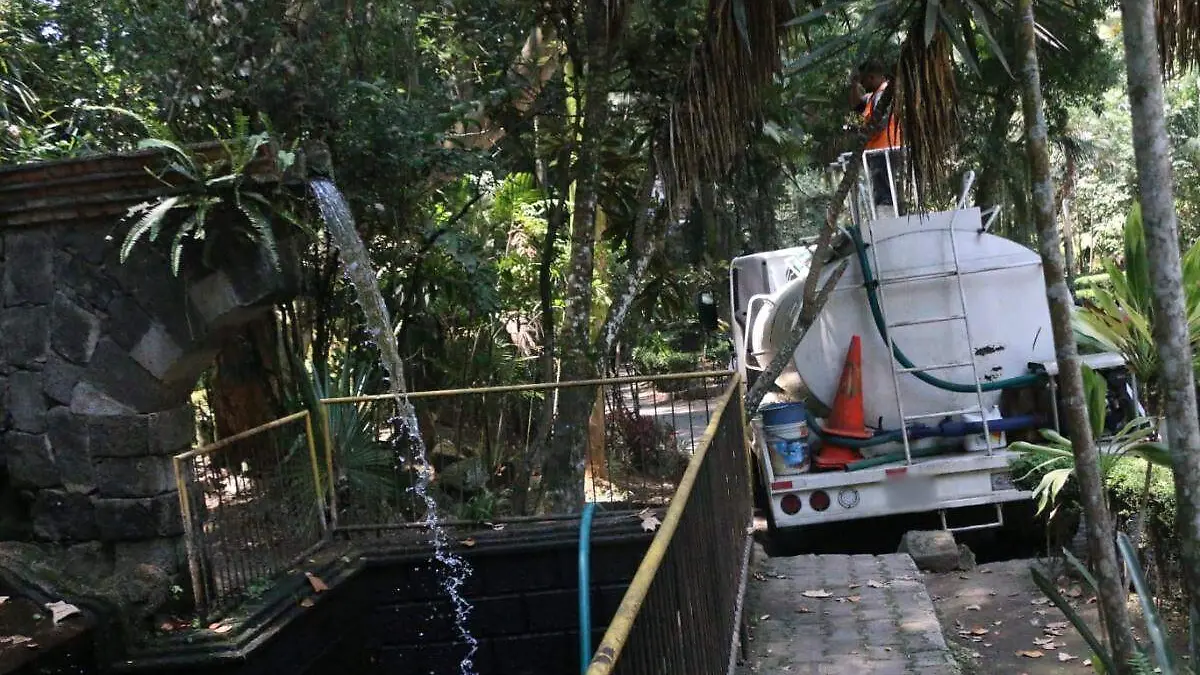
{"points": [[646, 445], [660, 352]]}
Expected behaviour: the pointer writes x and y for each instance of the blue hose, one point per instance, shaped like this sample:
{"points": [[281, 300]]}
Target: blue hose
{"points": [[919, 431], [585, 587]]}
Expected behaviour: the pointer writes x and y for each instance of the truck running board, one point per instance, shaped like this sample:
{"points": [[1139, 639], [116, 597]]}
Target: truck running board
{"points": [[999, 522]]}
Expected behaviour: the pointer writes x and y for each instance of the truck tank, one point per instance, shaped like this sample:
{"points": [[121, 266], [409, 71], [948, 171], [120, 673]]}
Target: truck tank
{"points": [[913, 261]]}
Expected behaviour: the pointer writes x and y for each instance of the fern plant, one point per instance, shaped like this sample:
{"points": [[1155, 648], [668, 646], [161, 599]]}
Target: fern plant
{"points": [[208, 185], [1057, 458]]}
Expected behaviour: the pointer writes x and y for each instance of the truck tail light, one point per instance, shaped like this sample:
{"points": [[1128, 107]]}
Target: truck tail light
{"points": [[819, 501], [790, 504]]}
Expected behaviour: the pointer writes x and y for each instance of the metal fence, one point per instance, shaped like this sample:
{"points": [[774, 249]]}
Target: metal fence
{"points": [[681, 612], [252, 507], [256, 503], [486, 445]]}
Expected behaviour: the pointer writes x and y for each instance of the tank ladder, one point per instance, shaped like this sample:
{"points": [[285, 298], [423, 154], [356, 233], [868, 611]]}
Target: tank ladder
{"points": [[961, 316]]}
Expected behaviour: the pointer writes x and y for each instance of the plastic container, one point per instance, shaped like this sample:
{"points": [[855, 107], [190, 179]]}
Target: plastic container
{"points": [[978, 442], [787, 432], [789, 456], [778, 414], [787, 438]]}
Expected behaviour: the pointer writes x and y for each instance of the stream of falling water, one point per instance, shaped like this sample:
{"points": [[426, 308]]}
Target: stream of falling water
{"points": [[357, 266]]}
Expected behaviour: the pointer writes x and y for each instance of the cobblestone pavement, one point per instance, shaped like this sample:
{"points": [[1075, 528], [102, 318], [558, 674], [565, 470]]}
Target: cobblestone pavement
{"points": [[878, 618]]}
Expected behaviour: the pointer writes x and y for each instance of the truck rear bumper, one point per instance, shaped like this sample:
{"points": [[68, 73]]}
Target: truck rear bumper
{"points": [[935, 484]]}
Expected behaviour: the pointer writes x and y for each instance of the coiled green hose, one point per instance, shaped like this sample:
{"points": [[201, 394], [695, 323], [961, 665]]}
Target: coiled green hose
{"points": [[871, 285]]}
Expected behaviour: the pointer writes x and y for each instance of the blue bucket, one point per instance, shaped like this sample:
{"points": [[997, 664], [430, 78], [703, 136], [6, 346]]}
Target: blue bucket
{"points": [[778, 414]]}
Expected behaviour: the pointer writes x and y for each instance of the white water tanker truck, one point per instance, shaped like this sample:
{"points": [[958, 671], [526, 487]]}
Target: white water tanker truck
{"points": [[945, 316]]}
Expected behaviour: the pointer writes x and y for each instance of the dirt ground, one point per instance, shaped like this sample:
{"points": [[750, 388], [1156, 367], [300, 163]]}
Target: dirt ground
{"points": [[998, 622]]}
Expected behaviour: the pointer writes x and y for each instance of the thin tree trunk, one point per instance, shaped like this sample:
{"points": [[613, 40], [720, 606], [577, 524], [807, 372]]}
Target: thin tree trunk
{"points": [[565, 458], [1171, 334], [814, 298], [1087, 461]]}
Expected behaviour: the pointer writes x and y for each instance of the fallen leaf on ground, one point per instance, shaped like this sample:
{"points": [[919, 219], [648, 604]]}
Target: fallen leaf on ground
{"points": [[1039, 601], [307, 602], [854, 598], [997, 623], [854, 586], [1030, 654], [979, 630], [61, 610], [1063, 657], [316, 583], [1086, 662], [875, 584], [15, 639], [221, 627], [803, 610], [973, 608], [1057, 625], [817, 594], [468, 542], [3, 599], [764, 617], [650, 522]]}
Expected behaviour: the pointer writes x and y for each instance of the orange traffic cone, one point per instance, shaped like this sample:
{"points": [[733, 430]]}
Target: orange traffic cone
{"points": [[846, 420]]}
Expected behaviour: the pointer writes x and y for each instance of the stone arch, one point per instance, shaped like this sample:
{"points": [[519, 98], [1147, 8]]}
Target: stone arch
{"points": [[98, 357]]}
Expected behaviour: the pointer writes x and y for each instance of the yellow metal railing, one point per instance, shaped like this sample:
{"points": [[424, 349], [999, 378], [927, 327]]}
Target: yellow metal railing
{"points": [[256, 502], [482, 441], [678, 615], [252, 505]]}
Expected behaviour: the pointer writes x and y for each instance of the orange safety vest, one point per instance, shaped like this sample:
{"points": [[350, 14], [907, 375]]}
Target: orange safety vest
{"points": [[889, 136]]}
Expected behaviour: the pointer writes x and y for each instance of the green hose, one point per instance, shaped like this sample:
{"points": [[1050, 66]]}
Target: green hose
{"points": [[871, 285], [899, 455]]}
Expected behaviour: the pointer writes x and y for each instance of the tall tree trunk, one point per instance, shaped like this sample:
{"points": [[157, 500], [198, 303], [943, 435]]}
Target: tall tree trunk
{"points": [[814, 297], [566, 456], [1087, 460], [1171, 334]]}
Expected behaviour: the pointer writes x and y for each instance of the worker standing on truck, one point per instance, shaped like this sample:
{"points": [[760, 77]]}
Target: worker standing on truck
{"points": [[867, 85]]}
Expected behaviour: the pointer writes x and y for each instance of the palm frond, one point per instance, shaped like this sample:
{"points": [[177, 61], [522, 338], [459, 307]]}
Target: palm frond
{"points": [[1178, 35], [708, 125], [926, 106]]}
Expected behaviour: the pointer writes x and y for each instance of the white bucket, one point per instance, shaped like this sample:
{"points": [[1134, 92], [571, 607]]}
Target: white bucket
{"points": [[787, 432], [790, 440], [978, 442]]}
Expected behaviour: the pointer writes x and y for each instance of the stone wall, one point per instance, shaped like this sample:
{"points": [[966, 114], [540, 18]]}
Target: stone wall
{"points": [[98, 358]]}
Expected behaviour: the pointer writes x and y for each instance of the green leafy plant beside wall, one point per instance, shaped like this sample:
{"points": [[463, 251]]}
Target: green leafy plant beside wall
{"points": [[1118, 316], [1054, 460], [201, 187]]}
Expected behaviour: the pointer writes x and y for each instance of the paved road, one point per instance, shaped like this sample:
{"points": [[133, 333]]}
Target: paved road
{"points": [[877, 619]]}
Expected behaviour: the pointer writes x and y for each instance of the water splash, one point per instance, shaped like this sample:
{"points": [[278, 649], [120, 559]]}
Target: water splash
{"points": [[357, 266]]}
